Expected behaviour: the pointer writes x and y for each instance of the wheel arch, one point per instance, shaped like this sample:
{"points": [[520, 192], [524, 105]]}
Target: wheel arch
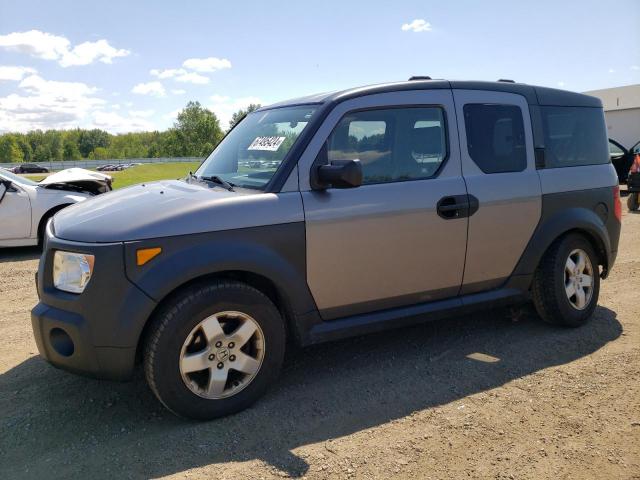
{"points": [[263, 284], [42, 223], [271, 259], [574, 220]]}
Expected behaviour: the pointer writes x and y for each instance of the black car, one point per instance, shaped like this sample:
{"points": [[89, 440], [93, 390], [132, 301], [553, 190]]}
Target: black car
{"points": [[30, 168], [622, 158]]}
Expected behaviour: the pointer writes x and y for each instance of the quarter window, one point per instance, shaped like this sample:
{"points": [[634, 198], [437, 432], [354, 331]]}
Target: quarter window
{"points": [[392, 144], [495, 137], [574, 136]]}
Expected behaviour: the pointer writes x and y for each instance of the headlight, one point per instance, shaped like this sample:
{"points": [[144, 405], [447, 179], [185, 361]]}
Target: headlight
{"points": [[72, 271]]}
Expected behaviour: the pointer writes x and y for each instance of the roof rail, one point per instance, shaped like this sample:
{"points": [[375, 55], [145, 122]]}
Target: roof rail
{"points": [[419, 77], [506, 80]]}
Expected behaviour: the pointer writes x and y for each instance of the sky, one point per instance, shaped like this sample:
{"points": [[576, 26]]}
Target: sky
{"points": [[132, 65]]}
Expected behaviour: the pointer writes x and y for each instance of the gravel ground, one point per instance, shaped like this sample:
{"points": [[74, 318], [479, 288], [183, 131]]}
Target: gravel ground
{"points": [[493, 395]]}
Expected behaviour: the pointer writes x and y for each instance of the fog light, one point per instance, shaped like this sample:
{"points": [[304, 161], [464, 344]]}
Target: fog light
{"points": [[61, 342]]}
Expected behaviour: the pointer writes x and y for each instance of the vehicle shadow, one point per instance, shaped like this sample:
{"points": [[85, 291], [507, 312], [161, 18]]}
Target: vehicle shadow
{"points": [[16, 254], [84, 426]]}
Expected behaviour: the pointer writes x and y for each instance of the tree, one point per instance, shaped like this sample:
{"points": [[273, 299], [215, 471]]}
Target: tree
{"points": [[195, 130], [240, 114], [9, 149], [41, 153], [70, 150], [91, 139], [99, 153]]}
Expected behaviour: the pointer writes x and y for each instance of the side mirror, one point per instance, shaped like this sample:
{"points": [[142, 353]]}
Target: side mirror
{"points": [[339, 174], [5, 185]]}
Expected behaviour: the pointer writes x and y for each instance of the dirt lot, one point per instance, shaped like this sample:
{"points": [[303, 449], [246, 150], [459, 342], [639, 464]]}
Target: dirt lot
{"points": [[484, 396]]}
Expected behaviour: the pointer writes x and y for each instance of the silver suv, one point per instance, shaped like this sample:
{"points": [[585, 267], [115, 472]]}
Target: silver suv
{"points": [[330, 216]]}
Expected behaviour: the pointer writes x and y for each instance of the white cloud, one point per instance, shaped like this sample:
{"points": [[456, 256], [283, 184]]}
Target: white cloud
{"points": [[172, 115], [150, 88], [116, 123], [141, 113], [634, 67], [67, 90], [47, 104], [178, 91], [611, 70], [192, 77], [224, 107], [210, 64], [418, 25], [9, 73], [561, 83], [167, 73], [54, 47], [89, 52]]}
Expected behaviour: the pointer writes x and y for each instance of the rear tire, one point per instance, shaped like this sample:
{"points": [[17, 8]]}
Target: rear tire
{"points": [[562, 293], [194, 359], [632, 201]]}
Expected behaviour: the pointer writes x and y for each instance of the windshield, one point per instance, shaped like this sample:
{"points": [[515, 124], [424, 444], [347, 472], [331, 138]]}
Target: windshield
{"points": [[252, 152], [16, 178]]}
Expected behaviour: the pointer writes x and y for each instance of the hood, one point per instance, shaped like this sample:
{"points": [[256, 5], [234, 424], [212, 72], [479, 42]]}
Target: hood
{"points": [[78, 179], [171, 208]]}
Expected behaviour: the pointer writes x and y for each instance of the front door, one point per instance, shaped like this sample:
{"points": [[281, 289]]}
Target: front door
{"points": [[384, 244], [15, 213]]}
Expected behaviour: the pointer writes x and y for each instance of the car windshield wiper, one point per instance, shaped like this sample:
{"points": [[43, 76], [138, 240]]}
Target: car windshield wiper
{"points": [[219, 180]]}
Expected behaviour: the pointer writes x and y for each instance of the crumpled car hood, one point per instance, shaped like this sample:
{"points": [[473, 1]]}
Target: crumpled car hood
{"points": [[78, 179]]}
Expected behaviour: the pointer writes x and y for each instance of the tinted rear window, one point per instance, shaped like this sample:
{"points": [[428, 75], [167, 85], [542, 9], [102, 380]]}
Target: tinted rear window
{"points": [[574, 136]]}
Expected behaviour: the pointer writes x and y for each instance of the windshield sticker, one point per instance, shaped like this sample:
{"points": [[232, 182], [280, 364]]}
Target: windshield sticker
{"points": [[270, 144]]}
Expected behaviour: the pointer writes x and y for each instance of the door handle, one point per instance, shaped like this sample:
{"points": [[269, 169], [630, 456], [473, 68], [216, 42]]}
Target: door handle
{"points": [[457, 206]]}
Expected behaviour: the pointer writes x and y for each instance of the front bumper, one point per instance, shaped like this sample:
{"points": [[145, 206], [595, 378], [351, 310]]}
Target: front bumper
{"points": [[64, 340], [94, 333]]}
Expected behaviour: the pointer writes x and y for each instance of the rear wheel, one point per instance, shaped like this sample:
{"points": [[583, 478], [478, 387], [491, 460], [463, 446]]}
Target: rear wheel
{"points": [[214, 350], [632, 201], [567, 283]]}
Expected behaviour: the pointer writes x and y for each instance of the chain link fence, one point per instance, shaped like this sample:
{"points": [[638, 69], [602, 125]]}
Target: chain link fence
{"points": [[61, 165]]}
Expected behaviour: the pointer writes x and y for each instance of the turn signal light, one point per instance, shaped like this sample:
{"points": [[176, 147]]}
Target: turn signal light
{"points": [[144, 255]]}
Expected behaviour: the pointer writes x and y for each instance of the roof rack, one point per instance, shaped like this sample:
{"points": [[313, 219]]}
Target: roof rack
{"points": [[419, 77], [506, 80]]}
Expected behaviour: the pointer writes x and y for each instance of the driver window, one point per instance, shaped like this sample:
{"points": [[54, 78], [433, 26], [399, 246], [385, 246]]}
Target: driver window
{"points": [[392, 144]]}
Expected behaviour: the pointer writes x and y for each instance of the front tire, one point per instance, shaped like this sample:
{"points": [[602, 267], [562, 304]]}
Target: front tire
{"points": [[214, 349], [567, 283], [632, 201]]}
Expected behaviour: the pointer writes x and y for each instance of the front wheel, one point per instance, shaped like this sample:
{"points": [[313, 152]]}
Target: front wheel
{"points": [[567, 283], [632, 201], [214, 350]]}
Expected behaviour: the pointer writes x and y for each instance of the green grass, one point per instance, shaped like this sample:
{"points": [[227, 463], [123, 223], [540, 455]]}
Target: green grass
{"points": [[142, 173], [150, 173]]}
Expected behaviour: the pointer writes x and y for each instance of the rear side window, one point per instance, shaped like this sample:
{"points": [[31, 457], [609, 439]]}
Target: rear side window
{"points": [[392, 144], [574, 136], [495, 137]]}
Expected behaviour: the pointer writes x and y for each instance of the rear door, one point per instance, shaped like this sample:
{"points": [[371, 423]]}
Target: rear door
{"points": [[498, 166], [384, 244]]}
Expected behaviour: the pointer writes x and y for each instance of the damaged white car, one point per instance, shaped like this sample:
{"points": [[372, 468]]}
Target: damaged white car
{"points": [[25, 205]]}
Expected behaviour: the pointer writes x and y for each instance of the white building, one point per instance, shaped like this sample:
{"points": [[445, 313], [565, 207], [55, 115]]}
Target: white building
{"points": [[622, 112]]}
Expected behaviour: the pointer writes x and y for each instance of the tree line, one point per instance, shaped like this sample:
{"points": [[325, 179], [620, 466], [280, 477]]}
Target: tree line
{"points": [[195, 133]]}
